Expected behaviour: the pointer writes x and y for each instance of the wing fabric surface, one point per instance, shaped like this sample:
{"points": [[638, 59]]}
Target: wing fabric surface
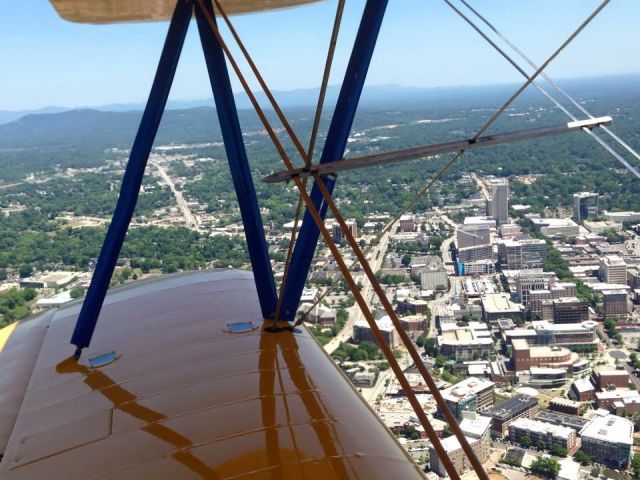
{"points": [[117, 11], [186, 398]]}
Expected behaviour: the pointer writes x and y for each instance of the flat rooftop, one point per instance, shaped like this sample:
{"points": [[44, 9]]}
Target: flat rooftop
{"points": [[609, 428], [618, 394], [543, 427], [384, 323], [510, 407], [577, 423], [609, 373], [463, 336], [474, 425], [496, 303], [583, 385], [489, 221], [468, 386], [586, 326], [451, 444]]}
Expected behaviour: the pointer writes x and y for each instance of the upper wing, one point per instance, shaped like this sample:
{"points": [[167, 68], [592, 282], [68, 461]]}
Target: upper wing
{"points": [[115, 11]]}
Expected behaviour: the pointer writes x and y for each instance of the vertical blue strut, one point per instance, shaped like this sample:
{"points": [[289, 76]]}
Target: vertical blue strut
{"points": [[334, 148], [236, 154], [238, 163], [133, 175]]}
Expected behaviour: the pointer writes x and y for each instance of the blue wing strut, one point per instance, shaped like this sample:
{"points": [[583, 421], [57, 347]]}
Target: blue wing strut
{"points": [[129, 191], [334, 148]]}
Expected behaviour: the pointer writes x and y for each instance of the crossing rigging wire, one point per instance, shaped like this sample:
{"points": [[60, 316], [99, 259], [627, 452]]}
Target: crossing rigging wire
{"points": [[549, 80], [313, 211], [355, 247], [312, 143], [539, 71]]}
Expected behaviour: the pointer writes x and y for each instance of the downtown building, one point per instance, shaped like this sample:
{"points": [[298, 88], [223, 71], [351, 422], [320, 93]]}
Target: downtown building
{"points": [[544, 432], [613, 269], [521, 254], [469, 395], [570, 335], [338, 234], [615, 304], [455, 453], [472, 236], [496, 191], [474, 254], [476, 429], [533, 279], [565, 310], [465, 343], [503, 414], [608, 439], [475, 260], [585, 205], [362, 331]]}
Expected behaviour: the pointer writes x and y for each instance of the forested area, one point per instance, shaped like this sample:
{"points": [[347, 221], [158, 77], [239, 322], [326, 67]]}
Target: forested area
{"points": [[52, 143], [567, 163], [93, 194], [28, 238], [14, 304]]}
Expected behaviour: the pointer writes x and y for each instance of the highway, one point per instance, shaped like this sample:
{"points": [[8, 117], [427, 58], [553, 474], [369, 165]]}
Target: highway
{"points": [[189, 218]]}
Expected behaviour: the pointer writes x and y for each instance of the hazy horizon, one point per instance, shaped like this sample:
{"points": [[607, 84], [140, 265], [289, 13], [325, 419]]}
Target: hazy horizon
{"points": [[139, 103], [422, 43]]}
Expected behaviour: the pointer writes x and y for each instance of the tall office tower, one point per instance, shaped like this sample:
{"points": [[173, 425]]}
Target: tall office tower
{"points": [[585, 205], [497, 198]]}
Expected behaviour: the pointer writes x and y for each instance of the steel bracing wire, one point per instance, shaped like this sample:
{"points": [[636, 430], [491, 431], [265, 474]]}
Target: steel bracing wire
{"points": [[441, 172], [408, 206], [436, 149], [549, 79], [424, 421], [312, 142], [559, 105], [345, 270]]}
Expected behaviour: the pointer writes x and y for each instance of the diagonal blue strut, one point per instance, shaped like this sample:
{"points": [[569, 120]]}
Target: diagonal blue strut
{"points": [[134, 172], [334, 148], [238, 163]]}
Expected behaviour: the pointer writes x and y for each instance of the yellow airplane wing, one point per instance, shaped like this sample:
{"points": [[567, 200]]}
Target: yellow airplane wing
{"points": [[181, 382]]}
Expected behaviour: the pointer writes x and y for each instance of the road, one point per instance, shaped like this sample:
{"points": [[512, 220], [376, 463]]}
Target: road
{"points": [[439, 301], [371, 394], [455, 284], [377, 256], [189, 218], [481, 185], [635, 380], [446, 252]]}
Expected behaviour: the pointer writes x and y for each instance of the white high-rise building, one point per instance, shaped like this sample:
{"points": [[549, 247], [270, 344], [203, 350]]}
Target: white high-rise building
{"points": [[497, 198], [613, 269]]}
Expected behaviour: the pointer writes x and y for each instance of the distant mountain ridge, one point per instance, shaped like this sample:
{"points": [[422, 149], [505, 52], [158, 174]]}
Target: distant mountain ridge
{"points": [[374, 96]]}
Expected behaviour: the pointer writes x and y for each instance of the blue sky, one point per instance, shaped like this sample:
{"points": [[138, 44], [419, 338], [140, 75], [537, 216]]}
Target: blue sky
{"points": [[45, 60]]}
